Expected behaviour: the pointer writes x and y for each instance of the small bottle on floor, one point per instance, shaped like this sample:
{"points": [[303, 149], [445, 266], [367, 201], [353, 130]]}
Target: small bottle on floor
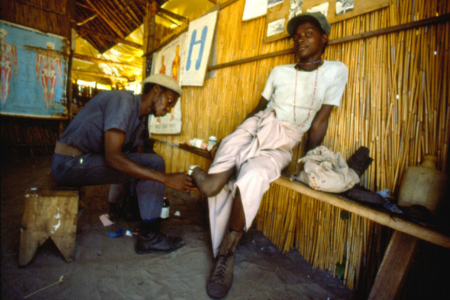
{"points": [[165, 209]]}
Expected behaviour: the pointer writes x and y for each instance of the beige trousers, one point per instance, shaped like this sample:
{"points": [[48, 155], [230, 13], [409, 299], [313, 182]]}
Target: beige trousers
{"points": [[259, 149]]}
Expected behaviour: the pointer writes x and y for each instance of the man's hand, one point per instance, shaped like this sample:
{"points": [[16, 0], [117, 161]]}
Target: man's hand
{"points": [[179, 181]]}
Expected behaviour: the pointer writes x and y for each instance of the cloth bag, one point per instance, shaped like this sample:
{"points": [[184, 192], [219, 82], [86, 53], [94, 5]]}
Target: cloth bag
{"points": [[327, 171]]}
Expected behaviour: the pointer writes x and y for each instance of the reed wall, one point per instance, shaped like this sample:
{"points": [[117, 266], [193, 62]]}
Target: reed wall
{"points": [[396, 103], [49, 16], [29, 136]]}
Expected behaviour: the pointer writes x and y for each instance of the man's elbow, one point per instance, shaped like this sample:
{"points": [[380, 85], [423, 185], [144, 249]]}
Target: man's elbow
{"points": [[318, 128], [111, 160]]}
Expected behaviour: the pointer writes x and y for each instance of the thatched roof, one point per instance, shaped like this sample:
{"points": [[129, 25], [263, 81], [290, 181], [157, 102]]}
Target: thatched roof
{"points": [[104, 23]]}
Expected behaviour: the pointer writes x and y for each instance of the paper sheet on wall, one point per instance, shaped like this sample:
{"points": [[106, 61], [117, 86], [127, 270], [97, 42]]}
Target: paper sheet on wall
{"points": [[169, 61], [198, 47], [254, 9], [322, 8]]}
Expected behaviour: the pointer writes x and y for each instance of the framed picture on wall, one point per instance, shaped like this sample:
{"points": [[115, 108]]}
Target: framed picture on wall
{"points": [[169, 61], [254, 9], [198, 48], [281, 12], [34, 72]]}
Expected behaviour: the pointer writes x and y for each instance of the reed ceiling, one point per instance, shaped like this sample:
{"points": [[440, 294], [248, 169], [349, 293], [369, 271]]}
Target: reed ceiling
{"points": [[96, 19]]}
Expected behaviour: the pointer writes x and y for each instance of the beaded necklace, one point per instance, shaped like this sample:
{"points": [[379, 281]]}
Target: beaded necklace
{"points": [[312, 102], [308, 63]]}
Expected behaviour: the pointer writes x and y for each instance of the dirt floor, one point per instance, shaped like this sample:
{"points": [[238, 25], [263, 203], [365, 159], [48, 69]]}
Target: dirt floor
{"points": [[108, 268]]}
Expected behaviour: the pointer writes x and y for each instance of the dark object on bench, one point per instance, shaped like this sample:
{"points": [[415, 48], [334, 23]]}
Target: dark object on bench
{"points": [[362, 194], [360, 160]]}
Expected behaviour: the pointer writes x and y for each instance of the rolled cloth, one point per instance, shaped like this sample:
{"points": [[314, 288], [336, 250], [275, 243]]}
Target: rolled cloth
{"points": [[259, 149]]}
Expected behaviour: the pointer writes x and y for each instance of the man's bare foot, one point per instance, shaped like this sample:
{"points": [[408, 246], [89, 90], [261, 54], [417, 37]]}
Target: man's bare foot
{"points": [[210, 185]]}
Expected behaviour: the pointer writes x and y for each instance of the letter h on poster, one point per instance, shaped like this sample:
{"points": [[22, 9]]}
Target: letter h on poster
{"points": [[199, 49], [193, 42]]}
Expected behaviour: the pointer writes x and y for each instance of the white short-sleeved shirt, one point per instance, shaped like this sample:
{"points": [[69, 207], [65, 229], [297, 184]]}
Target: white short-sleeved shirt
{"points": [[279, 91]]}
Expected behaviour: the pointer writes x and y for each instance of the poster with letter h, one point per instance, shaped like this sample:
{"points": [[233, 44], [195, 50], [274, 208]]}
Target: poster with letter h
{"points": [[199, 41]]}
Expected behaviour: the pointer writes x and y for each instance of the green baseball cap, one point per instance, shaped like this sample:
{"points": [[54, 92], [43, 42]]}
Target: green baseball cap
{"points": [[315, 17]]}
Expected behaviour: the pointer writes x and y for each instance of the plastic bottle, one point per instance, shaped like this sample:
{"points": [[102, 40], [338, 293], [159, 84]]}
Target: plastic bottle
{"points": [[165, 209], [423, 185], [212, 141]]}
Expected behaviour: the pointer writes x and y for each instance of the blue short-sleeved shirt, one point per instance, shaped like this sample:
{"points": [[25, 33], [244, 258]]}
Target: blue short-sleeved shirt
{"points": [[107, 110]]}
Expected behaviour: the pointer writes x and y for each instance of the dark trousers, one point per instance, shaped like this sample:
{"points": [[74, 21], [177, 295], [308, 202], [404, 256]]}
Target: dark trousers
{"points": [[91, 169]]}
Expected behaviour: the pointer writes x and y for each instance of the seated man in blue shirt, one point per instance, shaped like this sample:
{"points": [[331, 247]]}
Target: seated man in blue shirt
{"points": [[99, 147]]}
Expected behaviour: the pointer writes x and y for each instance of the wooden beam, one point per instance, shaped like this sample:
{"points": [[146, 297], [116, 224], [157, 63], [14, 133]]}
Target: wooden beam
{"points": [[84, 6], [103, 61], [102, 75], [364, 211], [105, 18], [85, 32], [250, 59], [40, 7], [394, 267], [87, 20], [173, 15], [159, 14]]}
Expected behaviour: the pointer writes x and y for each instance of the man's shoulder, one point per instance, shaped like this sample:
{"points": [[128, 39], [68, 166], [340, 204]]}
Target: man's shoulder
{"points": [[335, 65], [282, 71], [116, 94], [284, 67], [113, 96]]}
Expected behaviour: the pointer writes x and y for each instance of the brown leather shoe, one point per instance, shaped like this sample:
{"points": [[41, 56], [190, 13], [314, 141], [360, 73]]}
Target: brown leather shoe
{"points": [[221, 278]]}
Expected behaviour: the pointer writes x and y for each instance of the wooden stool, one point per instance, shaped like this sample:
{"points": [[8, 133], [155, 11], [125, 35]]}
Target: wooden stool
{"points": [[50, 212]]}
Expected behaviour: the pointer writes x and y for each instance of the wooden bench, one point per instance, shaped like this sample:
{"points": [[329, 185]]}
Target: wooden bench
{"points": [[394, 267], [50, 212]]}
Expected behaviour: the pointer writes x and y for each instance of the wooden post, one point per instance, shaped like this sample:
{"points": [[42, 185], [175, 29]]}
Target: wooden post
{"points": [[394, 267]]}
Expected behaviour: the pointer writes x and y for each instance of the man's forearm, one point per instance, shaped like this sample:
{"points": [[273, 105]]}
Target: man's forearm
{"points": [[319, 127], [316, 136]]}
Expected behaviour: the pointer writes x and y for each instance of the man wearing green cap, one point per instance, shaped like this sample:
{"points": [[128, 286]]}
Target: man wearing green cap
{"points": [[297, 98], [103, 145]]}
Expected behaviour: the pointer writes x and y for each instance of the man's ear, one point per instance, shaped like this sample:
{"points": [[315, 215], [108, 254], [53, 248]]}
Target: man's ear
{"points": [[324, 38]]}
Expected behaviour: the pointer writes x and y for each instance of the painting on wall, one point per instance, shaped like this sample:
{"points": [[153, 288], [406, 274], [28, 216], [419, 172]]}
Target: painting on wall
{"points": [[198, 48], [280, 12], [169, 61], [33, 72]]}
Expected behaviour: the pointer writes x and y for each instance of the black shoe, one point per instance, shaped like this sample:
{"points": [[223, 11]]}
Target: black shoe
{"points": [[152, 240]]}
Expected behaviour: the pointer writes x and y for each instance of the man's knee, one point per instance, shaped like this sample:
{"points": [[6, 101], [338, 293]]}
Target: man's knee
{"points": [[157, 163]]}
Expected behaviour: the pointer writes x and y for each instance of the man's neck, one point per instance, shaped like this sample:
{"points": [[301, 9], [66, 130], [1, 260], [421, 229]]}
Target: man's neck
{"points": [[310, 66]]}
